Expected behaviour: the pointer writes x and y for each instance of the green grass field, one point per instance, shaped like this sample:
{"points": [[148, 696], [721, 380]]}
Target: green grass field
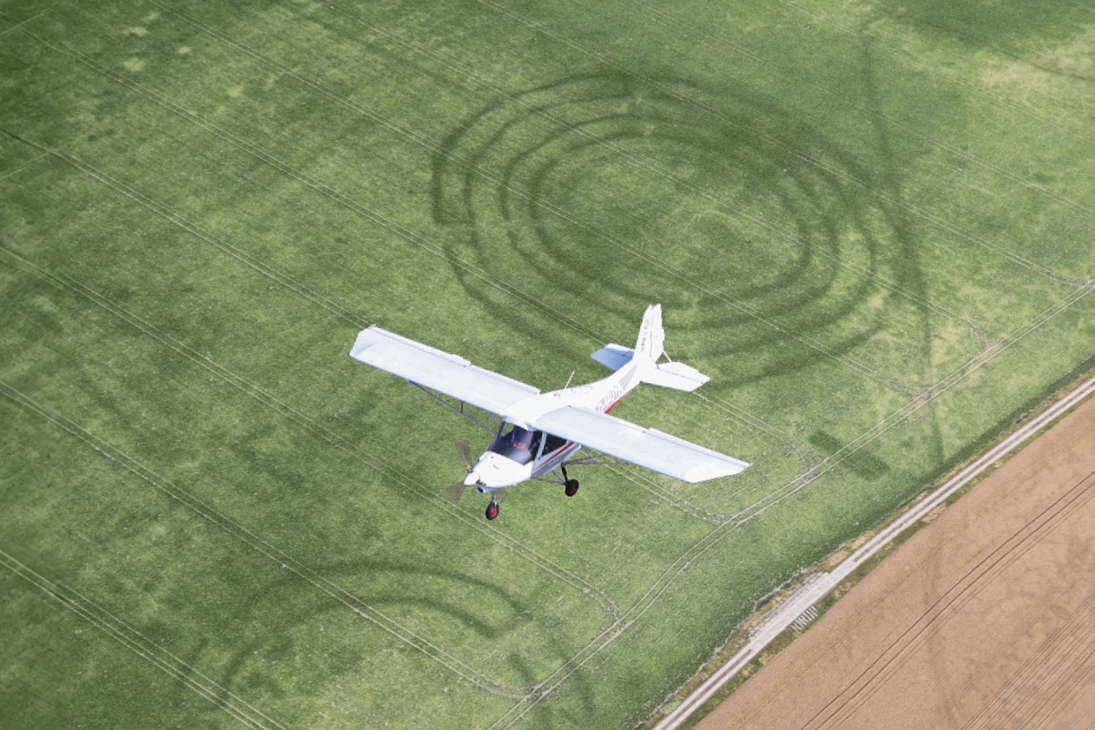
{"points": [[868, 222]]}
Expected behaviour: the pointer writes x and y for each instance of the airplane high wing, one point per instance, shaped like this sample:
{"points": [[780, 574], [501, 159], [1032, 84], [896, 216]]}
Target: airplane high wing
{"points": [[646, 447], [540, 433], [449, 374]]}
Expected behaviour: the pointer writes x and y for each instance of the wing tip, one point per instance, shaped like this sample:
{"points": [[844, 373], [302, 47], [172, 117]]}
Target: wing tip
{"points": [[716, 470]]}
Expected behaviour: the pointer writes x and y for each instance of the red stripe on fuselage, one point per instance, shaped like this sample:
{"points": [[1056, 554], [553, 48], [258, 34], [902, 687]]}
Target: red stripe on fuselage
{"points": [[609, 409]]}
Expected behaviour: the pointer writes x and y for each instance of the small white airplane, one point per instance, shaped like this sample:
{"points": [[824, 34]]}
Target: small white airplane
{"points": [[539, 433]]}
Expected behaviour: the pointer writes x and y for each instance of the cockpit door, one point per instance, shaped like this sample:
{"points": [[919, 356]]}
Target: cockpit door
{"points": [[537, 442]]}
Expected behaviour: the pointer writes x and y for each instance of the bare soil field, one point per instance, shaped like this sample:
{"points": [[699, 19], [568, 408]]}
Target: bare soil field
{"points": [[983, 619]]}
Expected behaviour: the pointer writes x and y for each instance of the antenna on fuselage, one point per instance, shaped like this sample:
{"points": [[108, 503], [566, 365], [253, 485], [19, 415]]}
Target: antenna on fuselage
{"points": [[569, 379]]}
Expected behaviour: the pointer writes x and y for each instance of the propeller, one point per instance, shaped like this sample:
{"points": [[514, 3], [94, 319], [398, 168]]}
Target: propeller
{"points": [[456, 491], [463, 447]]}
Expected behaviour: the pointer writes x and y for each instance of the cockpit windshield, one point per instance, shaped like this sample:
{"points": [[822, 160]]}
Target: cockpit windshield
{"points": [[516, 443]]}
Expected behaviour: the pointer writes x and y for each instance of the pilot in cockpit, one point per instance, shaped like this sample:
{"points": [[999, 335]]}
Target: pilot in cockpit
{"points": [[516, 443]]}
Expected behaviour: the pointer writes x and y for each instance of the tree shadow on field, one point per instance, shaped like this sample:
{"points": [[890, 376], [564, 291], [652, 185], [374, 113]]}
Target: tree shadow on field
{"points": [[603, 192], [987, 23], [1024, 31], [913, 273]]}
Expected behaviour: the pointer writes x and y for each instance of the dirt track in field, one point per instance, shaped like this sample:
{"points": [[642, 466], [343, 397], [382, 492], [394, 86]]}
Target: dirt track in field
{"points": [[983, 619]]}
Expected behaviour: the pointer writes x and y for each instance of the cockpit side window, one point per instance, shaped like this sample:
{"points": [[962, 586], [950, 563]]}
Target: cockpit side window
{"points": [[516, 443], [553, 443]]}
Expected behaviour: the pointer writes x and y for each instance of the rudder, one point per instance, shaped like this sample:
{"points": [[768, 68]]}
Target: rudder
{"points": [[651, 341]]}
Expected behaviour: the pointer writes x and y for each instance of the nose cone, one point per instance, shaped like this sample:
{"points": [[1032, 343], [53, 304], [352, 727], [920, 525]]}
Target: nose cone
{"points": [[471, 479], [494, 470]]}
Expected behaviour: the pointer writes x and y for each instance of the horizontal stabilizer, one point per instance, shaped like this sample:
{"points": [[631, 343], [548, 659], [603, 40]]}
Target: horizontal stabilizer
{"points": [[675, 375], [613, 356]]}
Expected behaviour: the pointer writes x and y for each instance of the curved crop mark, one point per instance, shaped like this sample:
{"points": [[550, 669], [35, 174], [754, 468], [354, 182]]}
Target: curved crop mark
{"points": [[388, 585], [619, 189]]}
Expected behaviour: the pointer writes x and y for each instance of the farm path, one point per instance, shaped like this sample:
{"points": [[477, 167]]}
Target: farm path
{"points": [[982, 619]]}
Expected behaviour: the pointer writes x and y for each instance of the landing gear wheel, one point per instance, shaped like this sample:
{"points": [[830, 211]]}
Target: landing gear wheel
{"points": [[571, 487], [492, 510]]}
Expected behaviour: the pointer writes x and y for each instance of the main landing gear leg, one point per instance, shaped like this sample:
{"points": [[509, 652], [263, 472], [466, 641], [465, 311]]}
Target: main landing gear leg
{"points": [[492, 508], [571, 485]]}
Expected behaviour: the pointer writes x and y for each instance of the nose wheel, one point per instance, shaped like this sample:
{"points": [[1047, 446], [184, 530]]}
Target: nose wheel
{"points": [[570, 485], [492, 510]]}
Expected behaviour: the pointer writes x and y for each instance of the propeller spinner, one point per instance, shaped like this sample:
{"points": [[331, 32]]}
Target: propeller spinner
{"points": [[456, 491]]}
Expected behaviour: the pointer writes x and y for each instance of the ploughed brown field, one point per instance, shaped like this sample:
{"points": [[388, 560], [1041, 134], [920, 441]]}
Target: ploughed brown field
{"points": [[983, 619]]}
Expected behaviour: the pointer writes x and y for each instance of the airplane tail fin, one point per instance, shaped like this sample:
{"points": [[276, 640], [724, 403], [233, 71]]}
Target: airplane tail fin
{"points": [[651, 335], [650, 347]]}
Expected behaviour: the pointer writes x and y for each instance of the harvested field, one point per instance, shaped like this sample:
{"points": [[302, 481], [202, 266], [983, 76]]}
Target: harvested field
{"points": [[985, 618]]}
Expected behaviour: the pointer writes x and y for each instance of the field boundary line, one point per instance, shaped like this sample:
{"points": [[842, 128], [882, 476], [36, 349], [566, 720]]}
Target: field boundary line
{"points": [[809, 159], [648, 485], [187, 500], [141, 645], [608, 606], [11, 172], [830, 580], [504, 182], [33, 17]]}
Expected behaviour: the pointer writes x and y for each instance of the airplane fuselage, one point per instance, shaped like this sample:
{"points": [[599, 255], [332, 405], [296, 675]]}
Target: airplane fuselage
{"points": [[511, 462]]}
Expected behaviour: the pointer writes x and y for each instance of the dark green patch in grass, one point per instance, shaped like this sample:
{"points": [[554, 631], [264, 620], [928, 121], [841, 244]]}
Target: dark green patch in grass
{"points": [[864, 464], [993, 22]]}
